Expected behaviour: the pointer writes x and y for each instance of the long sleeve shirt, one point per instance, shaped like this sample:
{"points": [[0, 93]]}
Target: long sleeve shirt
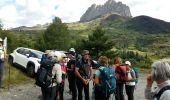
{"points": [[149, 93], [58, 72]]}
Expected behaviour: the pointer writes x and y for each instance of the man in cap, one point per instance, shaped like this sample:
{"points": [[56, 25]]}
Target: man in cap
{"points": [[84, 73], [71, 73]]}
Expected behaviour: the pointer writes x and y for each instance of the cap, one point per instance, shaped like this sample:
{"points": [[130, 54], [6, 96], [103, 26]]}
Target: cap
{"points": [[85, 52], [128, 63], [71, 50]]}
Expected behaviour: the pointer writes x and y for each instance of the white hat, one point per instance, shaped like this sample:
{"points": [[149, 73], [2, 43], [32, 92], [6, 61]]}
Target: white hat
{"points": [[59, 55], [128, 63], [72, 49]]}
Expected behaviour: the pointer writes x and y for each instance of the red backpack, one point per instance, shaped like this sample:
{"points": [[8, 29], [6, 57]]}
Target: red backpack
{"points": [[120, 71]]}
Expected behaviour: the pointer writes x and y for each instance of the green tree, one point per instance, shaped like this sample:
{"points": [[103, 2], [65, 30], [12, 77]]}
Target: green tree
{"points": [[41, 43], [56, 36], [97, 43]]}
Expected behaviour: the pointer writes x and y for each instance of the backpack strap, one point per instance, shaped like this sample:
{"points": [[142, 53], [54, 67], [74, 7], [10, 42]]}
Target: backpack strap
{"points": [[82, 69], [158, 95]]}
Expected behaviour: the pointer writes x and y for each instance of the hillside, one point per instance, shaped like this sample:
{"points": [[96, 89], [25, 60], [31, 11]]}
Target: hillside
{"points": [[148, 24], [141, 33], [141, 24]]}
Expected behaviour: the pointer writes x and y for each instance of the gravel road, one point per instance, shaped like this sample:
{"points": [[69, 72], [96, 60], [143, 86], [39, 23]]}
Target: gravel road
{"points": [[30, 91]]}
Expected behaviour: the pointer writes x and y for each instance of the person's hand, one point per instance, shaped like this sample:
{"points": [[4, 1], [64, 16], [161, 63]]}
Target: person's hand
{"points": [[84, 81], [91, 78], [88, 80], [149, 81]]}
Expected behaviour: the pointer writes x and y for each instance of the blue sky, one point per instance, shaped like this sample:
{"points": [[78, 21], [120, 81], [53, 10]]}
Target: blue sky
{"points": [[14, 13]]}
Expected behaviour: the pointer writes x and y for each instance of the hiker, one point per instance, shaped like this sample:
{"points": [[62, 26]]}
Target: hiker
{"points": [[84, 74], [2, 57], [60, 88], [120, 71], [130, 81], [49, 93], [71, 73], [105, 80], [160, 74]]}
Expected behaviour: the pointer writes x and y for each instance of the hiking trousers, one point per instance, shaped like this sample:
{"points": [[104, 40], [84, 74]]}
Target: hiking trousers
{"points": [[99, 95], [119, 91], [72, 86], [80, 87], [48, 93], [1, 72], [130, 91]]}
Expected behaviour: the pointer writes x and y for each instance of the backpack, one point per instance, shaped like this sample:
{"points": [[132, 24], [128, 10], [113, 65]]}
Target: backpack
{"points": [[44, 73], [121, 74], [107, 81], [158, 95], [130, 75], [136, 74]]}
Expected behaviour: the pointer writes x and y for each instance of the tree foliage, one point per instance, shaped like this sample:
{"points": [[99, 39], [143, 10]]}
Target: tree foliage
{"points": [[56, 36], [97, 43]]}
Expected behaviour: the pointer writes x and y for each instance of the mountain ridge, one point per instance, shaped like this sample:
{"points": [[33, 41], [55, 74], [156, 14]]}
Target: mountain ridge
{"points": [[143, 24], [110, 6]]}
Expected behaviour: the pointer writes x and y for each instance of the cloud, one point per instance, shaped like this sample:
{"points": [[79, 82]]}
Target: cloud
{"points": [[15, 13], [156, 9], [7, 11]]}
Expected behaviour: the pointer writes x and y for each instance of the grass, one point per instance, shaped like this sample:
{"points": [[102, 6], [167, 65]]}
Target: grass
{"points": [[17, 76]]}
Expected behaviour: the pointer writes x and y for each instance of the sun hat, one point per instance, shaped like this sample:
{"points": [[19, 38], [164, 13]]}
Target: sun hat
{"points": [[128, 63]]}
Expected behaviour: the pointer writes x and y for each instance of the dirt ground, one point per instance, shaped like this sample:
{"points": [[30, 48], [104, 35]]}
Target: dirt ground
{"points": [[31, 92]]}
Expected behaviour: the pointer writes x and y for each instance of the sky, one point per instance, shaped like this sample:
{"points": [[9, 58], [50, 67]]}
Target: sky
{"points": [[14, 13]]}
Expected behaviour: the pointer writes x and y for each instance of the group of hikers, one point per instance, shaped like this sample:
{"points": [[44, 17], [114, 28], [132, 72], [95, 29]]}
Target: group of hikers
{"points": [[107, 80]]}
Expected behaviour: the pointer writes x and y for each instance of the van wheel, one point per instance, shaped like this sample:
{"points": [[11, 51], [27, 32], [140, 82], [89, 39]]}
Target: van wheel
{"points": [[30, 70], [10, 60]]}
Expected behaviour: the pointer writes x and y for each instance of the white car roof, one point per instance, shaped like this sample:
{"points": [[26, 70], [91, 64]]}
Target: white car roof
{"points": [[29, 49]]}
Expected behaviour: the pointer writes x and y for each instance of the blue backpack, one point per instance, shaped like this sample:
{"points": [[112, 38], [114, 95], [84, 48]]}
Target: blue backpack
{"points": [[107, 80]]}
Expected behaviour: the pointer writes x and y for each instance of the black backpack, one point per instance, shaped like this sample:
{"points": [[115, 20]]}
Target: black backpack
{"points": [[44, 73], [158, 95]]}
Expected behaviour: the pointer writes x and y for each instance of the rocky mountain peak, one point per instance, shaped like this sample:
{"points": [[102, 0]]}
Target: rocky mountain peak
{"points": [[111, 6]]}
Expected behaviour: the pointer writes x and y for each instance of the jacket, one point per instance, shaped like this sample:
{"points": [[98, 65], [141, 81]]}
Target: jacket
{"points": [[149, 93]]}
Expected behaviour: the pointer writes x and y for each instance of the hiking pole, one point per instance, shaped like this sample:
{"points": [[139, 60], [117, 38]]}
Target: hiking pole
{"points": [[9, 78]]}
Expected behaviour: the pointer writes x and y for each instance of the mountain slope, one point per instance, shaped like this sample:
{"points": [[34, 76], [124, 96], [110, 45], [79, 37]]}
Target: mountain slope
{"points": [[148, 24]]}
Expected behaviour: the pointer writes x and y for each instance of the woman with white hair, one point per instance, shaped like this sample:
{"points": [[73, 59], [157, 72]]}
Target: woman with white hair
{"points": [[160, 73], [62, 62]]}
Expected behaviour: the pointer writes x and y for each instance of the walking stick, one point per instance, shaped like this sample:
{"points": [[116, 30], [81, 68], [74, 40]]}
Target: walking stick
{"points": [[5, 55]]}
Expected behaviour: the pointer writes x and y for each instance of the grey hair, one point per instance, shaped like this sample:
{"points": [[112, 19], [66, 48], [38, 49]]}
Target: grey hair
{"points": [[160, 70]]}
